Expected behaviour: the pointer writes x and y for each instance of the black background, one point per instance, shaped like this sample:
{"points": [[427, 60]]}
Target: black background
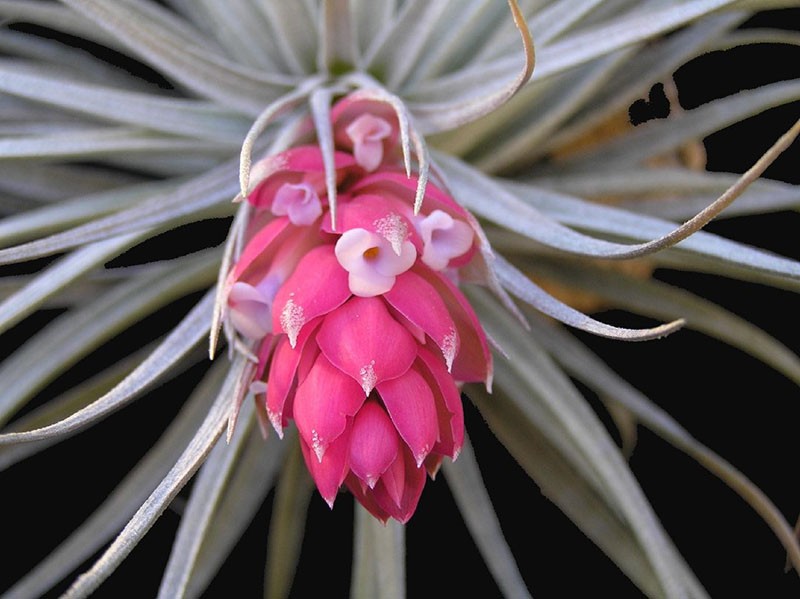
{"points": [[727, 400]]}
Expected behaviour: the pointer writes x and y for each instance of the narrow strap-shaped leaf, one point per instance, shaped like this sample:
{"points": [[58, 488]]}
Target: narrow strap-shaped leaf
{"points": [[240, 28], [465, 481], [379, 562], [589, 436], [700, 250], [400, 50], [251, 480], [100, 142], [629, 28], [659, 300], [561, 102], [109, 518], [287, 523], [56, 17], [290, 24], [38, 222], [76, 333], [592, 371], [652, 63], [525, 289], [661, 136], [144, 110], [337, 49], [206, 494], [42, 184], [144, 518], [191, 64], [190, 201], [486, 196], [65, 404], [55, 277], [441, 116], [561, 482], [688, 191], [320, 104]]}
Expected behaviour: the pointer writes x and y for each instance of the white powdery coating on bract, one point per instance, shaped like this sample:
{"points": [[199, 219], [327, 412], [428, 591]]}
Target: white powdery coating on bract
{"points": [[276, 422], [368, 377], [393, 229], [316, 445], [449, 348], [292, 320]]}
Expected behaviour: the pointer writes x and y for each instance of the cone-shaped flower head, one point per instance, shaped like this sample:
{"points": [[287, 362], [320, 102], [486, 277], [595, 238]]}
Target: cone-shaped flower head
{"points": [[361, 332]]}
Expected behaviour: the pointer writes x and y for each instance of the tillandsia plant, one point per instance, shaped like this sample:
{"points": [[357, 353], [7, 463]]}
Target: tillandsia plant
{"points": [[378, 218]]}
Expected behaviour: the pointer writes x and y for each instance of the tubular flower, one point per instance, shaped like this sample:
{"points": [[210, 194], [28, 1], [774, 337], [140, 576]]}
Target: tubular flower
{"points": [[361, 333]]}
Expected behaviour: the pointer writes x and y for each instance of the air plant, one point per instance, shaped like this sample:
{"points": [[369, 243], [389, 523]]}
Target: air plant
{"points": [[339, 220]]}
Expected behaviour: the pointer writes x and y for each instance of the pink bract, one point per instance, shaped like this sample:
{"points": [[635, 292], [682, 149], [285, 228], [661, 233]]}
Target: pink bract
{"points": [[362, 336]]}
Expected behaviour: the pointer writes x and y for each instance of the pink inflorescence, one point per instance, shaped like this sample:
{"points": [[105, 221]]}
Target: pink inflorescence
{"points": [[363, 336]]}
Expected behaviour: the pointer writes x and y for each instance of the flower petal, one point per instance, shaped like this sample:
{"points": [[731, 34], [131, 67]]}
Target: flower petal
{"points": [[409, 401], [329, 472], [317, 286], [473, 363], [323, 403], [399, 490], [355, 337], [447, 398], [302, 164], [418, 301], [374, 443], [281, 378], [371, 263]]}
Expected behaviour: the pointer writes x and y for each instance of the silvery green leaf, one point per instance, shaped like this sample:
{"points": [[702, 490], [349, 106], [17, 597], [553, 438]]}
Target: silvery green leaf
{"points": [[470, 25], [338, 48], [379, 560], [206, 73], [465, 481], [53, 16], [743, 37], [193, 200], [38, 222], [56, 409], [675, 193], [52, 183], [653, 63], [287, 523], [522, 287], [289, 26], [658, 137], [629, 28], [203, 503], [100, 142], [711, 251], [455, 107], [659, 300], [588, 368], [54, 278], [60, 60], [190, 460], [549, 387], [168, 115], [124, 500], [75, 334], [240, 28], [398, 53], [560, 102], [252, 478], [514, 206], [562, 483]]}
